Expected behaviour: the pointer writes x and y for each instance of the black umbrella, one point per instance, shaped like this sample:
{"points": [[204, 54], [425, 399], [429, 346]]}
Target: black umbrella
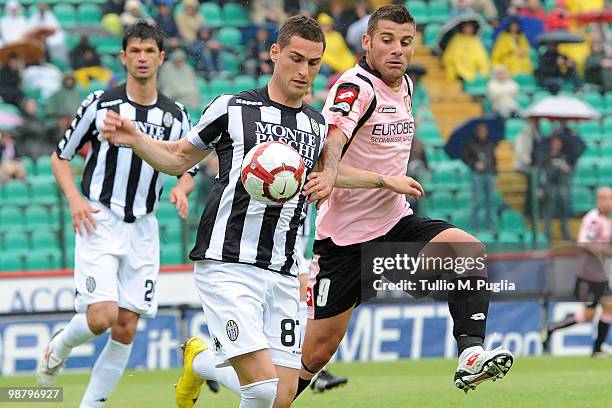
{"points": [[416, 70], [453, 25], [559, 37]]}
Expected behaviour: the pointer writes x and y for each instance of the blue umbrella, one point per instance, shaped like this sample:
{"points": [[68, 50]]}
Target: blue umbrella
{"points": [[466, 132], [531, 27]]}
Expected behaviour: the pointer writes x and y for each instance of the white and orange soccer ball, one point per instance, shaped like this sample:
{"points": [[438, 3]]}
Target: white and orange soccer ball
{"points": [[273, 173]]}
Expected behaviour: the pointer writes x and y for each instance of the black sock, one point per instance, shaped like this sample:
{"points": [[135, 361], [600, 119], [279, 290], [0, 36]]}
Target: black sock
{"points": [[602, 333], [570, 321], [469, 310], [302, 385]]}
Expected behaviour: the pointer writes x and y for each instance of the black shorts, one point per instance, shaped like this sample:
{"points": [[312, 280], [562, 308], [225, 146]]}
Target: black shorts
{"points": [[338, 268], [589, 292]]}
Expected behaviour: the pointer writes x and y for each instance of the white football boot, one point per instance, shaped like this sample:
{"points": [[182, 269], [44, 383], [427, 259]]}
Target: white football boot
{"points": [[49, 366], [477, 365]]}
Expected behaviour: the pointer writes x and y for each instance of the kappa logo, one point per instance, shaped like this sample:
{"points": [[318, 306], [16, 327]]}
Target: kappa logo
{"points": [[231, 327], [478, 316], [217, 344]]}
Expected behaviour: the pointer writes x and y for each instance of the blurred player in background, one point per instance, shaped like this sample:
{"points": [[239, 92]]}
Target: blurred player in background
{"points": [[592, 276], [245, 250], [370, 108], [117, 238]]}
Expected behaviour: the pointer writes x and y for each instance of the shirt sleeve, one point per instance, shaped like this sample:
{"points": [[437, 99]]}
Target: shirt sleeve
{"points": [[82, 128], [212, 124], [347, 101]]}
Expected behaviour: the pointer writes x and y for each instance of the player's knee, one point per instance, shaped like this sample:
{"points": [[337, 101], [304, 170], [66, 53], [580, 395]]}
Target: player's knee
{"points": [[285, 394], [321, 355], [101, 320], [260, 394], [124, 334]]}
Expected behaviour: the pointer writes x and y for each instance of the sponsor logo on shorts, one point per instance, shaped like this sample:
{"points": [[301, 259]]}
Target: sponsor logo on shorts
{"points": [[90, 284], [231, 328], [478, 316], [216, 343], [309, 296]]}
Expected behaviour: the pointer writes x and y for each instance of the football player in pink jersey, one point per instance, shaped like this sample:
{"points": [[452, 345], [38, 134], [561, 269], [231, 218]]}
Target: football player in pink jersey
{"points": [[370, 107], [592, 280]]}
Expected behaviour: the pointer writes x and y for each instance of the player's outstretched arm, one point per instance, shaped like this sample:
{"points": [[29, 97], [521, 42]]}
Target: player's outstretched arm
{"points": [[351, 177], [173, 158]]}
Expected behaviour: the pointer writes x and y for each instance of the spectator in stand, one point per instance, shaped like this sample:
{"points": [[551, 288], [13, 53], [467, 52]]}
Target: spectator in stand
{"points": [[66, 100], [585, 6], [342, 18], [599, 67], [358, 28], [554, 68], [113, 7], [13, 25], [268, 11], [555, 182], [479, 155], [337, 57], [485, 7], [207, 53], [87, 64], [558, 18], [10, 166], [532, 9], [502, 91], [44, 18], [132, 13], [258, 60], [32, 133], [43, 76], [11, 81], [512, 49], [524, 147], [178, 80], [165, 20], [189, 20], [465, 56], [418, 168]]}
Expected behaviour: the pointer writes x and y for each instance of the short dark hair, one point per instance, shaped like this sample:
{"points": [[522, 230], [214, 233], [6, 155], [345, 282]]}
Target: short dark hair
{"points": [[303, 27], [393, 12], [144, 31]]}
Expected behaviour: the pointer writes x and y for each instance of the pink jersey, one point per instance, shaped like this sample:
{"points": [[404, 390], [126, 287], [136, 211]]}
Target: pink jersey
{"points": [[379, 125], [595, 228]]}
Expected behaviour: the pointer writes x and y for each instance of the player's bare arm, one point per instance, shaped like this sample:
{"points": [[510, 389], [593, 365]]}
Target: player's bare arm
{"points": [[80, 210], [321, 182], [173, 158], [351, 177], [178, 195]]}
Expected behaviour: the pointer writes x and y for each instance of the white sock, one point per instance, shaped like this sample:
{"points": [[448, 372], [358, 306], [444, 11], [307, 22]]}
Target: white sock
{"points": [[76, 333], [303, 315], [106, 373], [258, 395], [204, 366]]}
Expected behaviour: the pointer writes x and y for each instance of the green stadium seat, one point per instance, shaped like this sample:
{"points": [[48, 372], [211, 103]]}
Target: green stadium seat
{"points": [[11, 218], [485, 237], [462, 219], [513, 128], [418, 9], [42, 260], [15, 192], [212, 14], [439, 11], [591, 151], [230, 62], [244, 82], [444, 179], [234, 14], [265, 78], [513, 221], [608, 99], [587, 176], [595, 100], [541, 94], [230, 37], [428, 131], [28, 165], [172, 254], [65, 14], [607, 124], [43, 192], [37, 216], [430, 33], [107, 45], [478, 87], [11, 261], [319, 84], [219, 86], [605, 169], [171, 234], [43, 166], [510, 237], [16, 240], [166, 212], [89, 14], [444, 202], [527, 83], [9, 108], [523, 100], [606, 151], [582, 199], [44, 240], [587, 128]]}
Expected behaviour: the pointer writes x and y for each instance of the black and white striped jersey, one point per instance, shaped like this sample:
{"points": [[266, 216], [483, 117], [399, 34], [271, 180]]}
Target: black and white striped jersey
{"points": [[234, 227], [113, 175]]}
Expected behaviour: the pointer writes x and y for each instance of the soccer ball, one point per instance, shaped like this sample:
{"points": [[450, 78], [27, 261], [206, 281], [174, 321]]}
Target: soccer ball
{"points": [[273, 173]]}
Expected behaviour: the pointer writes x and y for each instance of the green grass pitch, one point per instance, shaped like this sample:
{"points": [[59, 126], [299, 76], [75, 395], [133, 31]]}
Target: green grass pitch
{"points": [[532, 382]]}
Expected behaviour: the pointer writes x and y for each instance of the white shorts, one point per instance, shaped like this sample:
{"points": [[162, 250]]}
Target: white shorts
{"points": [[118, 262], [248, 309], [300, 250]]}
